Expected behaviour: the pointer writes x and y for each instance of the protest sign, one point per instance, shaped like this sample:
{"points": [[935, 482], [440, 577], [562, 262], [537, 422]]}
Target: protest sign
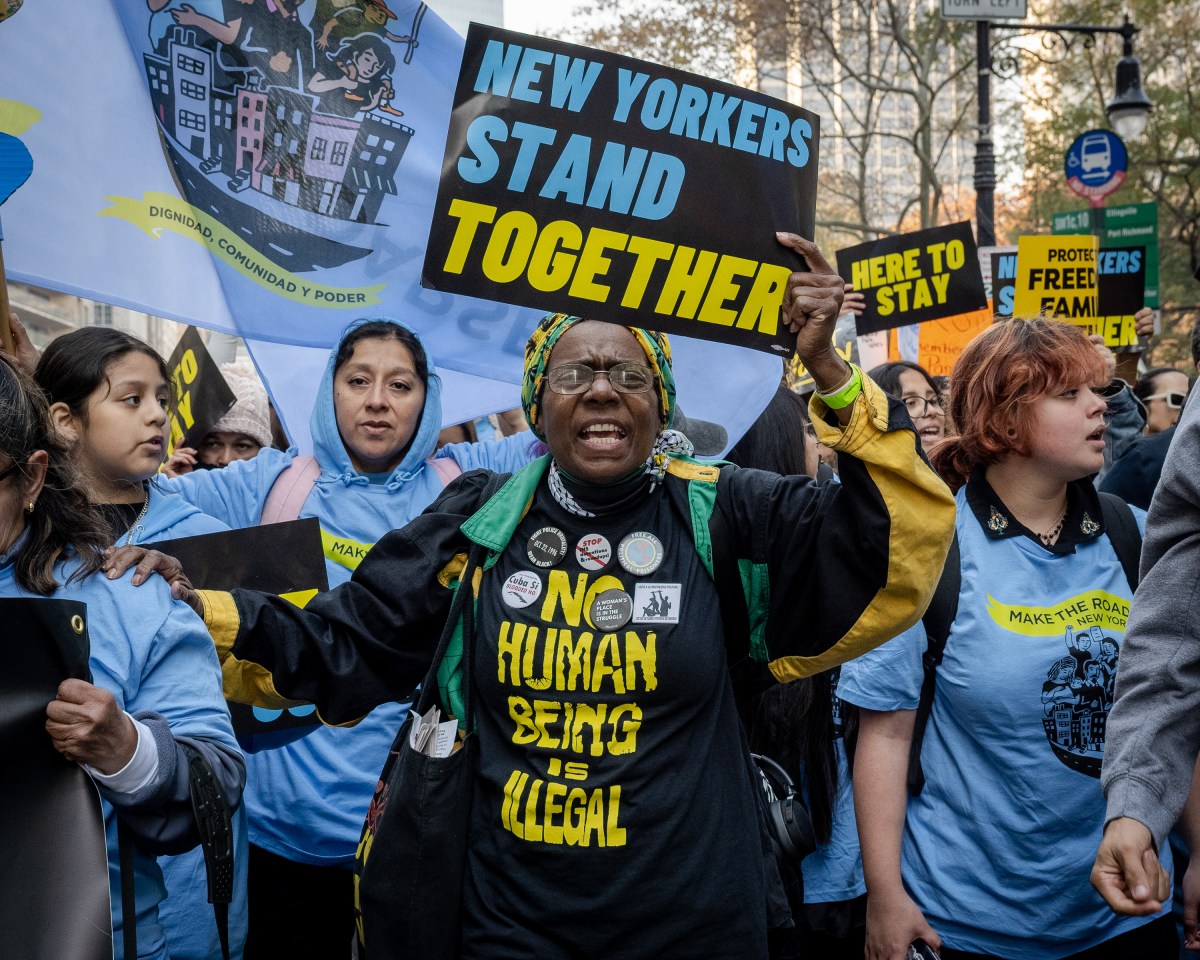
{"points": [[1121, 291], [914, 277], [943, 340], [281, 558], [54, 885], [1131, 224], [581, 181], [224, 174], [1004, 279], [1056, 277], [202, 397]]}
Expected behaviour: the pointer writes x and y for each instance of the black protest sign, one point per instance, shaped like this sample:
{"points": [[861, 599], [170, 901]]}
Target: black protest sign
{"points": [[915, 277], [202, 395], [1004, 282], [592, 183], [1120, 293], [54, 885], [280, 558]]}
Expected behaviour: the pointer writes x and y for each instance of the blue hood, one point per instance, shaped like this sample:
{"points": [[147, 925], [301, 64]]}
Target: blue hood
{"points": [[331, 453]]}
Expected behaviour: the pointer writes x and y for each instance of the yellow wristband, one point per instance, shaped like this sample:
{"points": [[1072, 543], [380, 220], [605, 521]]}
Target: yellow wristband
{"points": [[846, 394]]}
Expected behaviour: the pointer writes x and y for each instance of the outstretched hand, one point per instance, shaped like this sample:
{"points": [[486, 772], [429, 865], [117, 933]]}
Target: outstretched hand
{"points": [[146, 562]]}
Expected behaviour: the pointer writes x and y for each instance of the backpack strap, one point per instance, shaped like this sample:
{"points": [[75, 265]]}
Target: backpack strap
{"points": [[943, 608], [290, 489], [445, 467], [1122, 529], [214, 822]]}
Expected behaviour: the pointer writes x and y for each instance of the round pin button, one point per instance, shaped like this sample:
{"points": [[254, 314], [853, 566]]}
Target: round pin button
{"points": [[521, 589], [611, 610], [593, 551], [640, 553], [546, 547]]}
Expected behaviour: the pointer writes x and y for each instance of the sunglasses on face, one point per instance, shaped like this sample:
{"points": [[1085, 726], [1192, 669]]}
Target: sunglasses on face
{"points": [[1174, 400]]}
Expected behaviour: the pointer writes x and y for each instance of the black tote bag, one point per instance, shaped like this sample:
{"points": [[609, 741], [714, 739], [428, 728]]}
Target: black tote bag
{"points": [[412, 854]]}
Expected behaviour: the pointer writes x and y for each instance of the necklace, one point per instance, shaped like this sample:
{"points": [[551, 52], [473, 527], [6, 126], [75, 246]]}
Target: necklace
{"points": [[133, 529], [1050, 536]]}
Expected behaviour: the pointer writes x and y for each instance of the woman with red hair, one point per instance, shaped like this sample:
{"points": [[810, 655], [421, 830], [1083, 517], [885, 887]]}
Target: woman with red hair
{"points": [[991, 858]]}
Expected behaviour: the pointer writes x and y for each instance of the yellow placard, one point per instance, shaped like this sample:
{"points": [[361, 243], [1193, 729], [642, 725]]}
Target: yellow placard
{"points": [[1056, 278]]}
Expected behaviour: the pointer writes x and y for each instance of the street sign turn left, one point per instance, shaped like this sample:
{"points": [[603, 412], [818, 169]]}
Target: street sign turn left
{"points": [[985, 9]]}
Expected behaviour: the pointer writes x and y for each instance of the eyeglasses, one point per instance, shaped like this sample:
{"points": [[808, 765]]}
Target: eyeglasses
{"points": [[919, 406], [1174, 400], [5, 474], [574, 378]]}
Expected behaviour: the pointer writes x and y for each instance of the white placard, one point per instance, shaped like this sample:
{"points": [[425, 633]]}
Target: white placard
{"points": [[985, 9]]}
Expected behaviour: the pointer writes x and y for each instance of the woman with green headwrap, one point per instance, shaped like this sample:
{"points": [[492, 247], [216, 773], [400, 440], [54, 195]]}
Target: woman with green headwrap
{"points": [[613, 814]]}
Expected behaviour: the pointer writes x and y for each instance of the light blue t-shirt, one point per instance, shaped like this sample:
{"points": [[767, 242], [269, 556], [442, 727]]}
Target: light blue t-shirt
{"points": [[999, 846], [834, 872]]}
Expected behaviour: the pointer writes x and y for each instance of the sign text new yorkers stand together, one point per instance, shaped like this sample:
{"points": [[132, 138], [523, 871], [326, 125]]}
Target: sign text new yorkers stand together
{"points": [[620, 190]]}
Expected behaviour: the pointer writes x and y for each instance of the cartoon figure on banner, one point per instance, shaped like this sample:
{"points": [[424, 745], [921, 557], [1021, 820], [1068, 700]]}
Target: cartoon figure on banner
{"points": [[357, 78], [1076, 697], [335, 21], [263, 119]]}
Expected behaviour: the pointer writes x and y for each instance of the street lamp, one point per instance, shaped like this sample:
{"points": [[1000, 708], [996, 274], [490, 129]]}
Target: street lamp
{"points": [[1128, 111]]}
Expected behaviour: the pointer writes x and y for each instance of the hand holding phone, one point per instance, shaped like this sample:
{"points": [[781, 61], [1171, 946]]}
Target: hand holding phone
{"points": [[920, 950]]}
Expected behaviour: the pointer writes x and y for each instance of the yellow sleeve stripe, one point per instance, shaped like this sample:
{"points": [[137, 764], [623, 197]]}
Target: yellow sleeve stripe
{"points": [[243, 681], [921, 510]]}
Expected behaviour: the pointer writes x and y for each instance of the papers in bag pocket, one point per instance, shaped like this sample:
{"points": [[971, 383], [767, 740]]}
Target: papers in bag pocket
{"points": [[433, 736]]}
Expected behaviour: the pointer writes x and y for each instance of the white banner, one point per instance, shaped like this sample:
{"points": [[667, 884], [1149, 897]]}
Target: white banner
{"points": [[270, 175]]}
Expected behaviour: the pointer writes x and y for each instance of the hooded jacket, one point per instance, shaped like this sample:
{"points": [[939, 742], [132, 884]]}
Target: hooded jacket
{"points": [[307, 800], [154, 655], [187, 917]]}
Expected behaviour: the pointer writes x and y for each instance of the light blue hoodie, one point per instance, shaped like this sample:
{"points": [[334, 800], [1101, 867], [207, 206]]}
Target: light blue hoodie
{"points": [[186, 915], [155, 656], [307, 800]]}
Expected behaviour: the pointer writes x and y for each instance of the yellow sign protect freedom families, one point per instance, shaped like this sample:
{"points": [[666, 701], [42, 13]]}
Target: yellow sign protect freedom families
{"points": [[1056, 277], [156, 212]]}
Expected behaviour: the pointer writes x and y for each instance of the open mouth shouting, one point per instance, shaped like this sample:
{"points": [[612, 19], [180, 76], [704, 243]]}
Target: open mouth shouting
{"points": [[602, 434]]}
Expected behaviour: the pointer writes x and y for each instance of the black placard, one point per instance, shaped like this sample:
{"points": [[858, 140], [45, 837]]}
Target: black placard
{"points": [[54, 883], [279, 558], [202, 395], [588, 182], [1120, 293], [915, 277], [1004, 282]]}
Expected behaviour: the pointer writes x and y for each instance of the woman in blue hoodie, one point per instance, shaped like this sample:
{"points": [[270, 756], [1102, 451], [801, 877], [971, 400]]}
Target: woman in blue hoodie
{"points": [[109, 394], [156, 686], [374, 427]]}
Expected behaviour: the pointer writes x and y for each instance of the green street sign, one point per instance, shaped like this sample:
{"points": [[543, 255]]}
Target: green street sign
{"points": [[1131, 225]]}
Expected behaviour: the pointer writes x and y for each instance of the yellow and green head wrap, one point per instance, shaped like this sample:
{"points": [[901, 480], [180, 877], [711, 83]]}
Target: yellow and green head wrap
{"points": [[537, 356]]}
